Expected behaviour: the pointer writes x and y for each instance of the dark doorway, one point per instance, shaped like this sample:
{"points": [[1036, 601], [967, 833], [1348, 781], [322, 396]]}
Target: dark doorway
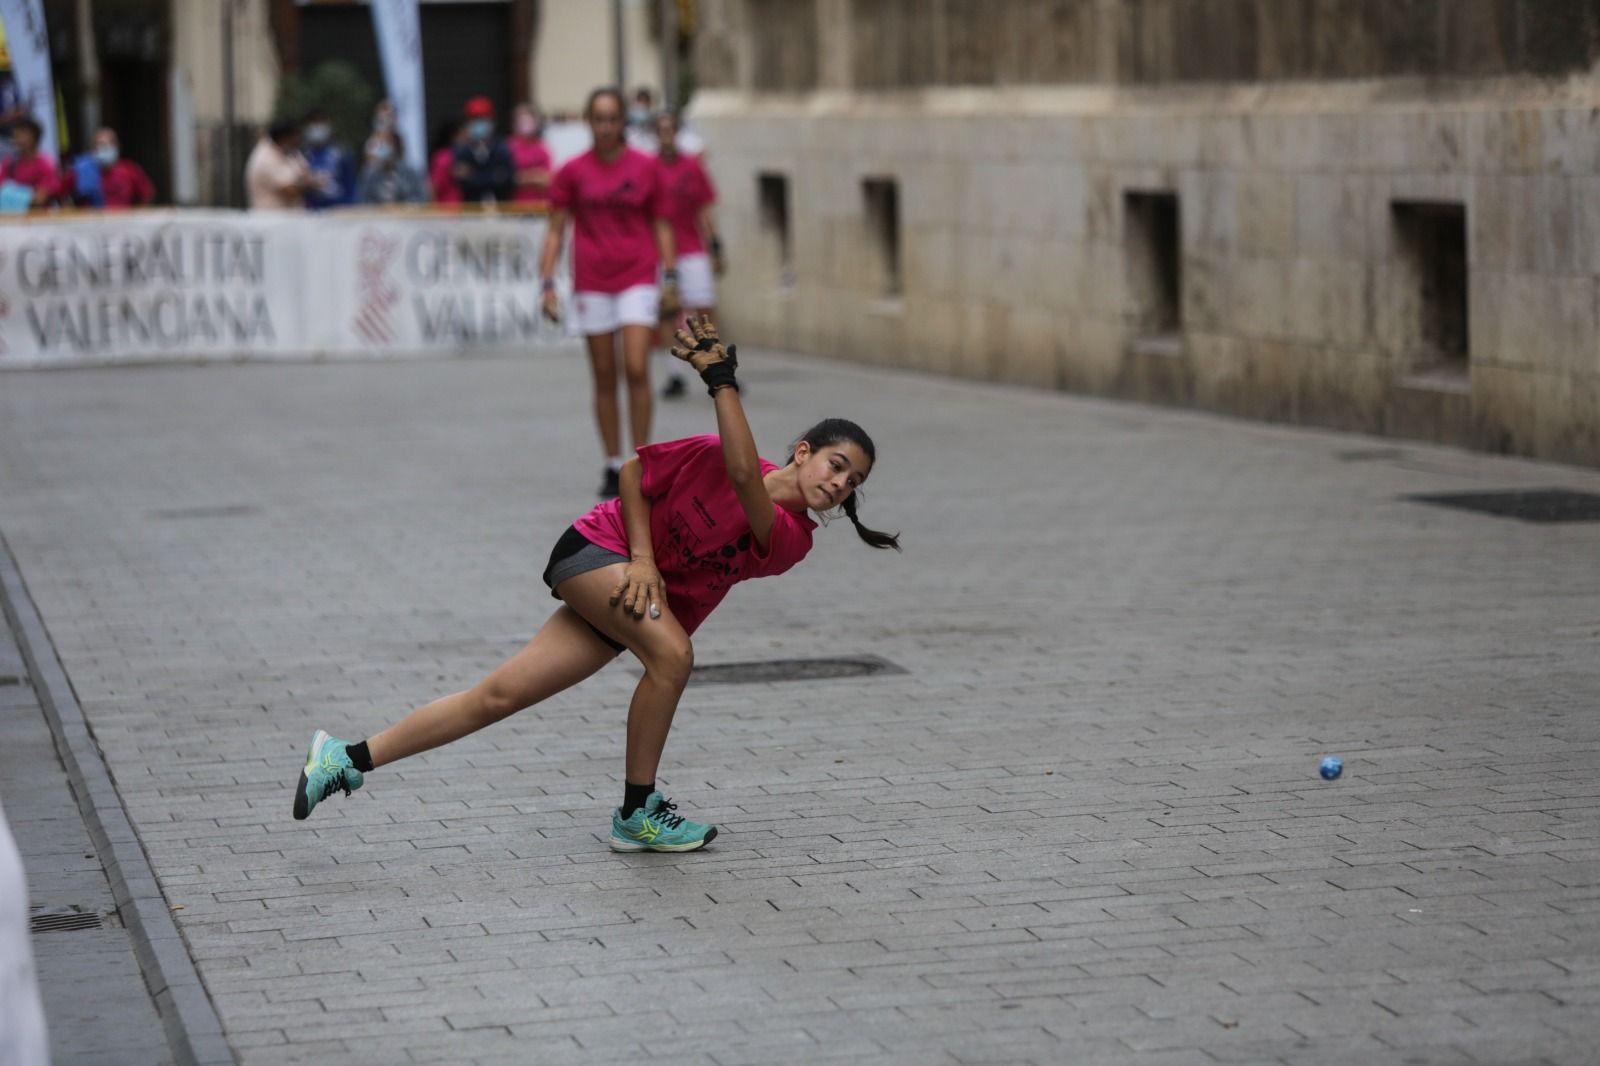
{"points": [[466, 52]]}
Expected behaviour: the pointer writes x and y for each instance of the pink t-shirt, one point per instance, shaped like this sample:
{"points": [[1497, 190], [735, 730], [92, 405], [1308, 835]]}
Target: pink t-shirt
{"points": [[699, 531], [445, 189], [528, 153], [36, 173], [688, 190], [614, 207]]}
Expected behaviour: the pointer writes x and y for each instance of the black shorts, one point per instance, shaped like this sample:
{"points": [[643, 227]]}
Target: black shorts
{"points": [[576, 554]]}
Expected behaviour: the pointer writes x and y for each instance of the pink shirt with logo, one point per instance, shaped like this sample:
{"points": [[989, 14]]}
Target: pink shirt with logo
{"points": [[701, 537], [614, 207], [689, 189]]}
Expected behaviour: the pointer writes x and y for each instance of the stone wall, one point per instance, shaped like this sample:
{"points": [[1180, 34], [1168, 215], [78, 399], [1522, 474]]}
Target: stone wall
{"points": [[881, 44], [1400, 256]]}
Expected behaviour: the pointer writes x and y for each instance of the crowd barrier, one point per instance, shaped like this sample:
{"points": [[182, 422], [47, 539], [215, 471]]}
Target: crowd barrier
{"points": [[201, 286]]}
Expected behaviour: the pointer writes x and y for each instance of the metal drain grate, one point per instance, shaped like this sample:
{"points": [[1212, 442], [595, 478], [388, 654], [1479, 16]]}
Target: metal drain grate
{"points": [[765, 670], [236, 510], [62, 920], [1527, 505], [8, 679]]}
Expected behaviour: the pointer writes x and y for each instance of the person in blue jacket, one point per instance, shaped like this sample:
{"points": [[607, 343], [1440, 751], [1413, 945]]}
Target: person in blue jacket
{"points": [[331, 164]]}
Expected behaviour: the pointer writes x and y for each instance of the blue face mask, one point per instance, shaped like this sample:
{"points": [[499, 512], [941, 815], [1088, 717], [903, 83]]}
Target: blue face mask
{"points": [[382, 151], [105, 154], [481, 129], [318, 133]]}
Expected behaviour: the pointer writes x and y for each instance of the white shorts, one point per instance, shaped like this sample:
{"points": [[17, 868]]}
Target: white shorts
{"points": [[696, 289], [595, 313]]}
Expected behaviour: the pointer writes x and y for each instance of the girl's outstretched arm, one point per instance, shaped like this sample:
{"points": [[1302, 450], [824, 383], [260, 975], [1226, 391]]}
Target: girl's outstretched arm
{"points": [[704, 351], [744, 465]]}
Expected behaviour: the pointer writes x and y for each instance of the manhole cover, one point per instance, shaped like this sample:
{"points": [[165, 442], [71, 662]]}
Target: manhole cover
{"points": [[235, 510], [1528, 505], [792, 670], [62, 920]]}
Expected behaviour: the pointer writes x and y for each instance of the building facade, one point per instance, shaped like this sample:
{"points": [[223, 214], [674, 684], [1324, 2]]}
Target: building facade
{"points": [[1378, 215]]}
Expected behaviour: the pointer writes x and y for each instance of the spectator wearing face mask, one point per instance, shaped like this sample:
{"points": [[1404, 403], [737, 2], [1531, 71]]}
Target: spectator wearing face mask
{"points": [[531, 159], [483, 169], [383, 116], [102, 178], [387, 178], [332, 166]]}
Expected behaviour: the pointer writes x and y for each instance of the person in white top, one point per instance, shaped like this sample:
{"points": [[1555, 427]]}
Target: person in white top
{"points": [[276, 176], [23, 1038]]}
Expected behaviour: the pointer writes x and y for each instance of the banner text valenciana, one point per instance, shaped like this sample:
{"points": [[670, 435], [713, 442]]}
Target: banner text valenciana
{"points": [[222, 285]]}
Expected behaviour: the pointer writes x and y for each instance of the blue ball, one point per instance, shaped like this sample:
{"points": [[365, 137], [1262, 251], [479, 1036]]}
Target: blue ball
{"points": [[1331, 768]]}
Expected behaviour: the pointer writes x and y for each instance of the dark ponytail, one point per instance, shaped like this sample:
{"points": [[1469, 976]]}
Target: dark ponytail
{"points": [[871, 536], [838, 431]]}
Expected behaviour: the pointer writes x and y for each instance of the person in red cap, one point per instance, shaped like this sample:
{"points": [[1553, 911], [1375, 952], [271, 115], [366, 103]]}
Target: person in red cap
{"points": [[483, 168]]}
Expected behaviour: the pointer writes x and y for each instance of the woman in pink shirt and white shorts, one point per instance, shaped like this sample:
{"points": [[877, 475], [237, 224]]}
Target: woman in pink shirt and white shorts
{"points": [[640, 573], [690, 196], [618, 207]]}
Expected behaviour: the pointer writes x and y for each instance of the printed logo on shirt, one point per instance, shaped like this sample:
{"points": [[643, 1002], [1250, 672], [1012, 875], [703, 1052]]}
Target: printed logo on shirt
{"points": [[705, 515], [693, 554], [622, 196]]}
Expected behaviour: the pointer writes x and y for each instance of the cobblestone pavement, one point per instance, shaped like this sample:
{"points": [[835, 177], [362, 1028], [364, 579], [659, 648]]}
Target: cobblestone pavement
{"points": [[1085, 826]]}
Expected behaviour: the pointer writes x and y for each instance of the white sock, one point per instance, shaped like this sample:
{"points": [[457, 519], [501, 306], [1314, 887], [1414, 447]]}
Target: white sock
{"points": [[614, 463]]}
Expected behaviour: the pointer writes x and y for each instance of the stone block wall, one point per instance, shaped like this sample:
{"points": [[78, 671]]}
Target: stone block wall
{"points": [[1322, 242]]}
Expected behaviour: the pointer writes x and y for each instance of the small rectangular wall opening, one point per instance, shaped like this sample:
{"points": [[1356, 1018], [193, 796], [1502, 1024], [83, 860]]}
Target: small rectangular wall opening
{"points": [[1154, 264], [1432, 242], [882, 197], [772, 194]]}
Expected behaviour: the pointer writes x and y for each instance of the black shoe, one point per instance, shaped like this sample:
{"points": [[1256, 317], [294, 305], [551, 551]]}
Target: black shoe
{"points": [[675, 389], [611, 485]]}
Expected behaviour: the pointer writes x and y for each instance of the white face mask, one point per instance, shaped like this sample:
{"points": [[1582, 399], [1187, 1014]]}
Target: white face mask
{"points": [[318, 133], [105, 154], [527, 127]]}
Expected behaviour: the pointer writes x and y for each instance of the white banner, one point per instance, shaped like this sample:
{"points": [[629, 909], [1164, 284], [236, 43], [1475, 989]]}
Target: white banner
{"points": [[398, 27], [201, 286], [28, 40]]}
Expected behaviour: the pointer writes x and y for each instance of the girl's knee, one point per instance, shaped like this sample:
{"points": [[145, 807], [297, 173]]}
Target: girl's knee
{"points": [[671, 663], [496, 701]]}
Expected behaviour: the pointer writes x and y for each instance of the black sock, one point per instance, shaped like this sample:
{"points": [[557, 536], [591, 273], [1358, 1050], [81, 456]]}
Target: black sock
{"points": [[360, 756], [633, 796]]}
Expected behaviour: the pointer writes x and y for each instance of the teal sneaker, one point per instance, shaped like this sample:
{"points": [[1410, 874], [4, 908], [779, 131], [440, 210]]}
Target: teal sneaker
{"points": [[328, 769], [654, 827]]}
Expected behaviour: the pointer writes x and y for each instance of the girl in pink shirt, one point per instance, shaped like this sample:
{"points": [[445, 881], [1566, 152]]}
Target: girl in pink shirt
{"points": [[531, 159], [640, 573], [690, 195], [617, 204]]}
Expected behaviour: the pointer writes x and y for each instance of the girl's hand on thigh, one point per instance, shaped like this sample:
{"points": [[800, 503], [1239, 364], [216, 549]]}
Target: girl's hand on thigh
{"points": [[641, 590]]}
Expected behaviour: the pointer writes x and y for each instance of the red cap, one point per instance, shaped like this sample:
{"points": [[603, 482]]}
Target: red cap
{"points": [[480, 107]]}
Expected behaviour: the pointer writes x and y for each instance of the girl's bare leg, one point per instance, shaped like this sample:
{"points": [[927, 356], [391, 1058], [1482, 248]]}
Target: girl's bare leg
{"points": [[603, 361], [562, 653], [660, 644], [636, 362]]}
